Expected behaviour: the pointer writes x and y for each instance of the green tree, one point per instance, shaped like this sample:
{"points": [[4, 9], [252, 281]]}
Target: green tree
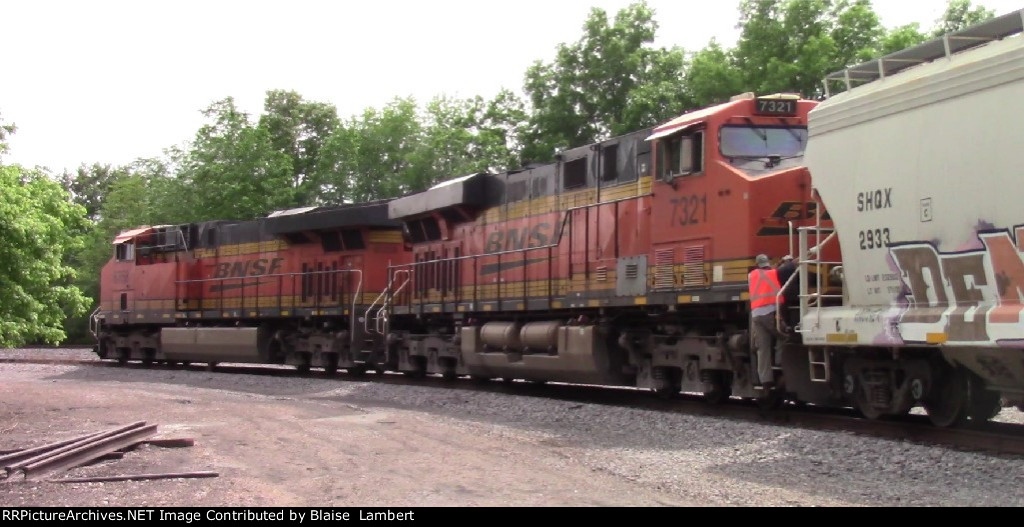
{"points": [[89, 185], [298, 129], [900, 38], [374, 155], [5, 130], [790, 45], [38, 226], [234, 167], [960, 14], [461, 136], [585, 93], [712, 76]]}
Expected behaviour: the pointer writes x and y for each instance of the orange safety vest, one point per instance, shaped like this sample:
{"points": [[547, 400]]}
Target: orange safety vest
{"points": [[764, 287]]}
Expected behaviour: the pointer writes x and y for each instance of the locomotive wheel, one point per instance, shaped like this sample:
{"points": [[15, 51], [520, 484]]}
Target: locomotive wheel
{"points": [[449, 374], [985, 404], [358, 370], [480, 379], [332, 365], [948, 404], [719, 392], [668, 392]]}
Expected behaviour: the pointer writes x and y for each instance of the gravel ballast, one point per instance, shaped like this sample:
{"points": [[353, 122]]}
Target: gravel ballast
{"points": [[682, 459]]}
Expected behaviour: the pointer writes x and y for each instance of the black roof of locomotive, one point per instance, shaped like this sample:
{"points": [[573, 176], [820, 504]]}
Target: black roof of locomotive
{"points": [[478, 191], [323, 218]]}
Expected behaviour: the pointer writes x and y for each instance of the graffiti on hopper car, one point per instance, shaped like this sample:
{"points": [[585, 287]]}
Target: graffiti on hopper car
{"points": [[969, 296]]}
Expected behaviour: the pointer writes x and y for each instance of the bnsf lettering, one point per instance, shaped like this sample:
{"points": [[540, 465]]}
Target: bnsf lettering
{"points": [[515, 239], [258, 267], [874, 200]]}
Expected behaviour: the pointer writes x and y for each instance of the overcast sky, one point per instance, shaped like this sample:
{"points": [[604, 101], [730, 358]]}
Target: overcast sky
{"points": [[111, 81]]}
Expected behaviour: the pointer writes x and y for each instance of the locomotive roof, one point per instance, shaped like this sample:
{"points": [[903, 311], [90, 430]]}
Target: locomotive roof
{"points": [[956, 42], [473, 190], [687, 119], [373, 214]]}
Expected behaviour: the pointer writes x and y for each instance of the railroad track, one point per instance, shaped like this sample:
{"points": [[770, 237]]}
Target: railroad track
{"points": [[993, 438]]}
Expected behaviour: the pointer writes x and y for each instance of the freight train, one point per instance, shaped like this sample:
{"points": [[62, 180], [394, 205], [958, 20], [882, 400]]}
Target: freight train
{"points": [[625, 262]]}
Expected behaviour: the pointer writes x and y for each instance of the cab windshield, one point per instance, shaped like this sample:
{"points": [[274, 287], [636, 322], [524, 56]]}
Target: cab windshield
{"points": [[769, 146]]}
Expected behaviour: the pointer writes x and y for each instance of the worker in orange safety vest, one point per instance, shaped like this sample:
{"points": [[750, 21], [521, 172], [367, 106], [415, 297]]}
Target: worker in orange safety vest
{"points": [[764, 288]]}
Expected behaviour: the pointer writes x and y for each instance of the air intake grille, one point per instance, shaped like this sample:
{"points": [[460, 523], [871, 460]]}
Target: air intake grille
{"points": [[693, 267], [664, 274]]}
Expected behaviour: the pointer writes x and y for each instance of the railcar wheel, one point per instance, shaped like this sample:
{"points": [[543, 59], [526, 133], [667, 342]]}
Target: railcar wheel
{"points": [[771, 401], [868, 411], [480, 379], [985, 404], [948, 403]]}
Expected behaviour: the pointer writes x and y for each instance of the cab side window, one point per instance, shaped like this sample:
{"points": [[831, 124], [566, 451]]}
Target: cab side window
{"points": [[125, 252], [683, 155]]}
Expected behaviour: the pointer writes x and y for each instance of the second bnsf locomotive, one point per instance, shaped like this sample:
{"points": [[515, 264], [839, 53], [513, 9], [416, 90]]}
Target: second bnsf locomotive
{"points": [[625, 262]]}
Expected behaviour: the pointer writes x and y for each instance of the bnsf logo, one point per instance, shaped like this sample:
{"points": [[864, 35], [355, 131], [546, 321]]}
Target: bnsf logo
{"points": [[256, 267], [514, 239]]}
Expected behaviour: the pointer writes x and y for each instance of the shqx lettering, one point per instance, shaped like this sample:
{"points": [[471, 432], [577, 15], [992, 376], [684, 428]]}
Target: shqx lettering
{"points": [[255, 267], [874, 200], [985, 286], [518, 238]]}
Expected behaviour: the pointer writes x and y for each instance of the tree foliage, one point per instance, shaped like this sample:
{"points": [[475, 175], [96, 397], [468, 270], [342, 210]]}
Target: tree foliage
{"points": [[961, 14], [791, 45], [235, 167], [38, 226], [298, 129], [610, 81], [5, 130], [89, 185]]}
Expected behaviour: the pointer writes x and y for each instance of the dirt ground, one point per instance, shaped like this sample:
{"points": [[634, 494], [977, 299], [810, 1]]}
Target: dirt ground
{"points": [[295, 447]]}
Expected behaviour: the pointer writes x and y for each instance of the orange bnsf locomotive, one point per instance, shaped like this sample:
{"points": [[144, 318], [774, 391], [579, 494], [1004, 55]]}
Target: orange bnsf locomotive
{"points": [[285, 289], [622, 263]]}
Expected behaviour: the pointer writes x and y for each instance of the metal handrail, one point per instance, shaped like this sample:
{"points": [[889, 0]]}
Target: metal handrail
{"points": [[380, 320], [805, 295], [94, 324], [355, 295], [366, 316]]}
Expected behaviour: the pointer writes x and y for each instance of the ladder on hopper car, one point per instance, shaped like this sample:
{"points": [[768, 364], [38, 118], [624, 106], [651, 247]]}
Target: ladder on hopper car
{"points": [[811, 261], [386, 300]]}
